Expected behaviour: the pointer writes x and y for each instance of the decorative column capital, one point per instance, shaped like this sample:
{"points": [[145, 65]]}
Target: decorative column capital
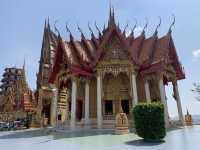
{"points": [[99, 72], [75, 79], [174, 82], [132, 71], [87, 81]]}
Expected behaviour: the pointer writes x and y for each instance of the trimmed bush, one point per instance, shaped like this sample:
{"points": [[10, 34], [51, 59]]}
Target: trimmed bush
{"points": [[149, 121]]}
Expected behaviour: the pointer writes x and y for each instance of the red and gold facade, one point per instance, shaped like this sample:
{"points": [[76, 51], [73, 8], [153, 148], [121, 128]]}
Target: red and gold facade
{"points": [[89, 80]]}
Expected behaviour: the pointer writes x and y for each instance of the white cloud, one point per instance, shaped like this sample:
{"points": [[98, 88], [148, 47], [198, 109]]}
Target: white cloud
{"points": [[196, 53]]}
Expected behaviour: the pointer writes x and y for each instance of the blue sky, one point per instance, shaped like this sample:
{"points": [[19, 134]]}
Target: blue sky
{"points": [[22, 23]]}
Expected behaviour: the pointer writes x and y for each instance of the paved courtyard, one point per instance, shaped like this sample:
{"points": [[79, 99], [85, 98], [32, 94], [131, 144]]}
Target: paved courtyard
{"points": [[40, 139]]}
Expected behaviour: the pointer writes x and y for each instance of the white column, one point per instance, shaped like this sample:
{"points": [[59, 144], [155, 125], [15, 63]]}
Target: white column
{"points": [[164, 101], [86, 102], [73, 105], [147, 91], [53, 118], [134, 88], [99, 105], [178, 101]]}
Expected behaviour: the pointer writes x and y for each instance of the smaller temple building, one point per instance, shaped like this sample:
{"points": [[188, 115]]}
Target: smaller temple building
{"points": [[16, 97]]}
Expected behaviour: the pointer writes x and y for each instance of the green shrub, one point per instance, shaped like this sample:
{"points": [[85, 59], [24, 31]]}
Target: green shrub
{"points": [[149, 121]]}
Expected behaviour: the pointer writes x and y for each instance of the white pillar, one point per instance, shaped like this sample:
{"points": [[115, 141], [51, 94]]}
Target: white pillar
{"points": [[73, 105], [53, 118], [86, 102], [99, 105], [134, 88], [147, 91], [164, 101], [178, 101]]}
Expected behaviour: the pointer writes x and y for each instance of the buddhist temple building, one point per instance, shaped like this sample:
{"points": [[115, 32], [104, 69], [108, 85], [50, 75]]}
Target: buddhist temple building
{"points": [[87, 81]]}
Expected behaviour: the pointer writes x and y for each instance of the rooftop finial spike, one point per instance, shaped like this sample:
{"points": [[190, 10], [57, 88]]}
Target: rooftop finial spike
{"points": [[113, 14], [56, 30], [110, 12], [90, 29], [24, 64], [173, 23], [45, 23], [124, 32], [79, 29], [156, 31], [111, 20], [132, 31], [143, 31], [48, 24], [97, 29], [68, 30]]}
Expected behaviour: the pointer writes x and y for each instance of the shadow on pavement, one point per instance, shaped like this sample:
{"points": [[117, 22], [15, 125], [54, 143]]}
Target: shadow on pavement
{"points": [[141, 142]]}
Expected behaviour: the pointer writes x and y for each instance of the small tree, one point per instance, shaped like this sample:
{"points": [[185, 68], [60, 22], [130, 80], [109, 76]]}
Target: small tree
{"points": [[149, 121], [197, 90]]}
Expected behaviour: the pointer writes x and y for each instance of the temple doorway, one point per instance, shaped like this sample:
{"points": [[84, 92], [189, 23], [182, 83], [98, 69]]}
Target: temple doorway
{"points": [[116, 93], [46, 110], [108, 107], [125, 106]]}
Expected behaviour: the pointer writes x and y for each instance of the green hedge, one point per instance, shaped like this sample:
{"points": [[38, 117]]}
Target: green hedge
{"points": [[149, 120]]}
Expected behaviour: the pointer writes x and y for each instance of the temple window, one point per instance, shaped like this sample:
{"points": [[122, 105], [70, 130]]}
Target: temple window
{"points": [[125, 106], [59, 117]]}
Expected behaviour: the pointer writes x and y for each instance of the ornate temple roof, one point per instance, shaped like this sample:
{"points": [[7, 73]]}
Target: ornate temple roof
{"points": [[148, 54]]}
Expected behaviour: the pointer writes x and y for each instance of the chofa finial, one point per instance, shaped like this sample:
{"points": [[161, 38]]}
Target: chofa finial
{"points": [[97, 28], [156, 31], [126, 26], [143, 31], [158, 23], [56, 29], [68, 30], [90, 29], [173, 23], [133, 29]]}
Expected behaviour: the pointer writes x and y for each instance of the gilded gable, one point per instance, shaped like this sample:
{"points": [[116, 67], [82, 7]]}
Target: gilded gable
{"points": [[114, 50]]}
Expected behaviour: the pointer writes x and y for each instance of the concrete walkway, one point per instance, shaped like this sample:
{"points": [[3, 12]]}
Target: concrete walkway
{"points": [[46, 139]]}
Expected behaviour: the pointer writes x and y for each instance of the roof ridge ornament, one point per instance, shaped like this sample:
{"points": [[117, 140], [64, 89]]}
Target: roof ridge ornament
{"points": [[111, 20], [90, 29], [79, 29], [97, 29], [45, 23], [173, 23], [124, 31], [159, 24], [147, 22], [48, 24], [56, 29], [133, 29], [68, 30]]}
